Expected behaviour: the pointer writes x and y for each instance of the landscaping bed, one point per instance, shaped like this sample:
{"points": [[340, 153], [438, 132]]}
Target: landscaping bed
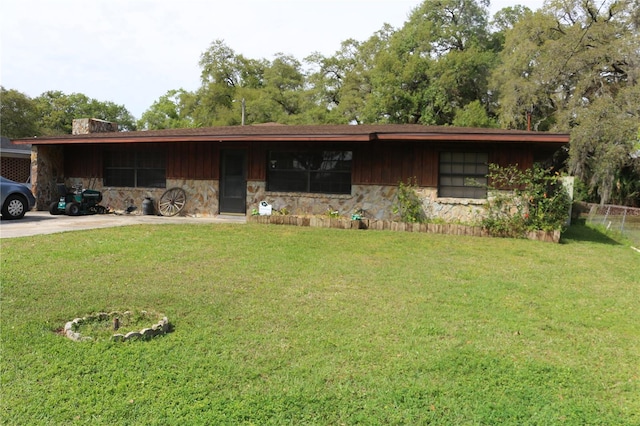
{"points": [[390, 225]]}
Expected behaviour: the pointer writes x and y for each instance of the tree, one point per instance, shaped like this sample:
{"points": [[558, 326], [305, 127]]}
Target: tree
{"points": [[435, 65], [399, 78], [575, 67], [358, 60], [515, 79], [505, 19], [171, 111], [438, 62], [464, 77], [284, 86], [227, 78], [58, 110], [18, 115], [473, 115], [452, 25], [603, 142], [219, 65], [332, 84]]}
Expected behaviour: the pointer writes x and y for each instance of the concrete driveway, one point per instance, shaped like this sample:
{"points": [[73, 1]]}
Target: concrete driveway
{"points": [[36, 222]]}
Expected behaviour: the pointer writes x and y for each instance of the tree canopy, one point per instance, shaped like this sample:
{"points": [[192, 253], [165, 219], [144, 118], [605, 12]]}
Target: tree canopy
{"points": [[53, 112], [18, 114], [574, 67], [58, 110]]}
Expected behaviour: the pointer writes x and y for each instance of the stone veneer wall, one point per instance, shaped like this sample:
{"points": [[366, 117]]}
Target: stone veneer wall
{"points": [[47, 169], [376, 201], [202, 195], [451, 210]]}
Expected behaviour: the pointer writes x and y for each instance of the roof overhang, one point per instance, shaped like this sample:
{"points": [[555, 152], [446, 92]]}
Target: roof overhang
{"points": [[208, 138], [320, 133], [537, 137], [15, 153]]}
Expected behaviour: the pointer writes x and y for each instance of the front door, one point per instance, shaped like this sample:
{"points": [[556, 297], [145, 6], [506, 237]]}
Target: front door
{"points": [[233, 182]]}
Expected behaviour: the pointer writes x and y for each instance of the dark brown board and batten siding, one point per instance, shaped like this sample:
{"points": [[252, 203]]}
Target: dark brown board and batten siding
{"points": [[83, 160], [374, 163], [193, 160]]}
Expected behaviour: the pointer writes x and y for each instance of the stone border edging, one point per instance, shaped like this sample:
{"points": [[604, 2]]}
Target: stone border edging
{"points": [[161, 327], [390, 225]]}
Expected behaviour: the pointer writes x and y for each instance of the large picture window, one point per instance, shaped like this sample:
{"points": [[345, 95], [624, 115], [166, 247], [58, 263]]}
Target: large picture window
{"points": [[463, 174], [145, 169], [326, 172]]}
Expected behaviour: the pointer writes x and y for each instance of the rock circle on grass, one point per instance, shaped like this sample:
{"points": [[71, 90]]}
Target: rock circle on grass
{"points": [[72, 329]]}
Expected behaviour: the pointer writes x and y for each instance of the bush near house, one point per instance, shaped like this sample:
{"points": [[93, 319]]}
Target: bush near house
{"points": [[408, 204], [523, 201]]}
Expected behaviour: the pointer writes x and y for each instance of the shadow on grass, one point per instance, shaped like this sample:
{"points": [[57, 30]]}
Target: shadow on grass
{"points": [[580, 232]]}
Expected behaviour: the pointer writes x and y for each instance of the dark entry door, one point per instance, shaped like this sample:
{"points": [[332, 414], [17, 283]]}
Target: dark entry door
{"points": [[233, 182]]}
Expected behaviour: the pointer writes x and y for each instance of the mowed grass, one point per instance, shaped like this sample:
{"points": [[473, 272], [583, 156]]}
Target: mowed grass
{"points": [[286, 325]]}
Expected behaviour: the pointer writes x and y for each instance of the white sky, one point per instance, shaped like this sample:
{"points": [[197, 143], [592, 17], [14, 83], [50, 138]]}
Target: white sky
{"points": [[131, 52]]}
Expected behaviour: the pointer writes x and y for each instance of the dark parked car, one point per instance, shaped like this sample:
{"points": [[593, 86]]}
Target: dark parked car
{"points": [[16, 200]]}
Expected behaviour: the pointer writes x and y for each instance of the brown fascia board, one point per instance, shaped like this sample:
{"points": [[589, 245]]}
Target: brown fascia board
{"points": [[320, 133], [493, 138], [212, 138], [537, 137]]}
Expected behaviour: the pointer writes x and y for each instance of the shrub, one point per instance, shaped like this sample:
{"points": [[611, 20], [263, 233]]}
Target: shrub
{"points": [[408, 204], [521, 201]]}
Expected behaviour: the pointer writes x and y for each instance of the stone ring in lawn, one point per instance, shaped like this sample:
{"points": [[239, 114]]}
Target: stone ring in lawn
{"points": [[103, 322]]}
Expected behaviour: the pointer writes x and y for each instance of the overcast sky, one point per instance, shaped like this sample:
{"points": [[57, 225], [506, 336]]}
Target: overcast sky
{"points": [[131, 52]]}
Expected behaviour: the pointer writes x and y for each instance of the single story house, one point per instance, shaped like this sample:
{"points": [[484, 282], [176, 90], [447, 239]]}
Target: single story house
{"points": [[306, 169]]}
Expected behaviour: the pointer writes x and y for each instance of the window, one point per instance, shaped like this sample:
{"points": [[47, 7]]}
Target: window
{"points": [[463, 174], [146, 169], [326, 172]]}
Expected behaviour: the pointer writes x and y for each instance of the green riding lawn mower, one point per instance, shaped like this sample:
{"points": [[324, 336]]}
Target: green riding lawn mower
{"points": [[76, 201]]}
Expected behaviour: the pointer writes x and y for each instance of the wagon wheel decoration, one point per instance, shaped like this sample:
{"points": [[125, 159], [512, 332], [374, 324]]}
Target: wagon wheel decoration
{"points": [[172, 202]]}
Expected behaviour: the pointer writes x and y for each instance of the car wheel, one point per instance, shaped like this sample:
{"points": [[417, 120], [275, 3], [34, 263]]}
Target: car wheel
{"points": [[14, 207]]}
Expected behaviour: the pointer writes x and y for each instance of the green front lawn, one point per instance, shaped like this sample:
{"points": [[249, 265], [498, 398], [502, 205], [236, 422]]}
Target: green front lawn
{"points": [[291, 325]]}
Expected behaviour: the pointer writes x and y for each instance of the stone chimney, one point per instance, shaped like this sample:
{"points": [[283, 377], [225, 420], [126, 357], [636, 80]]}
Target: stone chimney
{"points": [[85, 126]]}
